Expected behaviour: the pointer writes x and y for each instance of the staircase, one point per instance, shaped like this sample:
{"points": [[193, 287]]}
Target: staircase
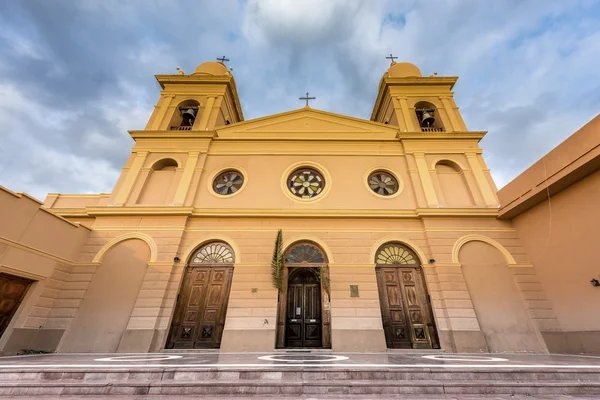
{"points": [[301, 382]]}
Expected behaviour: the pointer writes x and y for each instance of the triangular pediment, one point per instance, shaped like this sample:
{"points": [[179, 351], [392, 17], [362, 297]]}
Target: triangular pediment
{"points": [[308, 123]]}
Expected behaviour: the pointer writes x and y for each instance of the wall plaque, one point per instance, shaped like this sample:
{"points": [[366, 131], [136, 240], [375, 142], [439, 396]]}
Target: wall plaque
{"points": [[354, 291]]}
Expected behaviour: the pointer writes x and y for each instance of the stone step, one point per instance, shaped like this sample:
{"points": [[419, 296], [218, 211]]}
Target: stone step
{"points": [[297, 375], [296, 388], [337, 397]]}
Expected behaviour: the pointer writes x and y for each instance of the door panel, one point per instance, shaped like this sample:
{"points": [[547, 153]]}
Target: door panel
{"points": [[303, 314], [12, 292], [201, 308], [405, 310]]}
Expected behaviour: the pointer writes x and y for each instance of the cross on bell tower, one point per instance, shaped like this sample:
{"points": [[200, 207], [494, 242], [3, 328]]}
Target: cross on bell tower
{"points": [[391, 57], [306, 98], [222, 59]]}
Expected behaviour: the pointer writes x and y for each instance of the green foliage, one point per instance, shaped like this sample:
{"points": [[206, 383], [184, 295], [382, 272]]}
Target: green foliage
{"points": [[277, 262]]}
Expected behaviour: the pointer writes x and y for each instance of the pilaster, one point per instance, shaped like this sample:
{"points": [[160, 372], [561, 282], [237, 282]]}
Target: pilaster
{"points": [[486, 191], [186, 178], [428, 188], [132, 174], [164, 106], [206, 114], [406, 113]]}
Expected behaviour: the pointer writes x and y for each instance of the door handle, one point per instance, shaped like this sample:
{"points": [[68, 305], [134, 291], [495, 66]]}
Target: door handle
{"points": [[312, 320]]}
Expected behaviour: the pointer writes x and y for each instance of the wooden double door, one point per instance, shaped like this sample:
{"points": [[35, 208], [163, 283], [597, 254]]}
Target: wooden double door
{"points": [[12, 291], [405, 308], [201, 308], [303, 311]]}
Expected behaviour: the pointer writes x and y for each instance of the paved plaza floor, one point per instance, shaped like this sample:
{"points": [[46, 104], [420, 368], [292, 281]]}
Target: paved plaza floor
{"points": [[317, 360]]}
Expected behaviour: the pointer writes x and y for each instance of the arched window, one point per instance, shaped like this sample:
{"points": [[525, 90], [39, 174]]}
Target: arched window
{"points": [[185, 115], [455, 191], [160, 186], [305, 253], [165, 164], [396, 253], [428, 117], [213, 253]]}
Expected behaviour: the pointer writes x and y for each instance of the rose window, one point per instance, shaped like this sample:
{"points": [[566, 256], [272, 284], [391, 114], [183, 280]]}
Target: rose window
{"points": [[383, 183], [306, 183], [228, 182]]}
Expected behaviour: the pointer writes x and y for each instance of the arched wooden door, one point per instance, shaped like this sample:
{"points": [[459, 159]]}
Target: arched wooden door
{"points": [[304, 313], [201, 307], [405, 306]]}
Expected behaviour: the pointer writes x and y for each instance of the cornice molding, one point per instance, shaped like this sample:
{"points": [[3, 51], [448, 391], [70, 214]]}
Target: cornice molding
{"points": [[277, 213]]}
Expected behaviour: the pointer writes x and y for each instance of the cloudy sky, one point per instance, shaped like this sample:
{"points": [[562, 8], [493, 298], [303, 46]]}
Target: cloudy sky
{"points": [[76, 75]]}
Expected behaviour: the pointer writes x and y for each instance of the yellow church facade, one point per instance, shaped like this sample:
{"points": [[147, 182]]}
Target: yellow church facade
{"points": [[390, 234]]}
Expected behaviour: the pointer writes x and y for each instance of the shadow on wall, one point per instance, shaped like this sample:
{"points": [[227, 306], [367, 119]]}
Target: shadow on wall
{"points": [[109, 300]]}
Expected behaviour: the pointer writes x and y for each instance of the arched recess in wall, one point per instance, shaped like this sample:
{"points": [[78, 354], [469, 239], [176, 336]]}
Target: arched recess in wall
{"points": [[428, 117], [161, 184], [184, 116], [109, 299], [500, 310], [452, 186]]}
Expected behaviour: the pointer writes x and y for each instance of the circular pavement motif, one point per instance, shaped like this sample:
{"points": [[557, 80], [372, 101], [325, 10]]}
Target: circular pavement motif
{"points": [[299, 358], [442, 357], [139, 358]]}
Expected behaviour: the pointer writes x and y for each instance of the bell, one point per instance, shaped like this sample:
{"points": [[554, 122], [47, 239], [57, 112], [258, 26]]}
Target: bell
{"points": [[427, 119], [188, 117]]}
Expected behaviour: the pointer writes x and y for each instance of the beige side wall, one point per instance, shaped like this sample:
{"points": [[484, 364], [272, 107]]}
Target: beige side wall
{"points": [[560, 236], [40, 246]]}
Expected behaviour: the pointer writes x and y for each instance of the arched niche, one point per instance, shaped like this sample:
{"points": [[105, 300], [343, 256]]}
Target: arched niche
{"points": [[304, 311], [453, 189], [406, 312], [109, 299], [185, 115], [161, 184], [201, 309], [499, 307], [428, 118]]}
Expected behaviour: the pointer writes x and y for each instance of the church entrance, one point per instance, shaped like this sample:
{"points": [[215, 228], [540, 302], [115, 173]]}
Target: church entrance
{"points": [[405, 308], [304, 317], [199, 317], [12, 291]]}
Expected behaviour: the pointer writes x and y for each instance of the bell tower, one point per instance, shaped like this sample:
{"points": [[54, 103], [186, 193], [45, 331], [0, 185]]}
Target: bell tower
{"points": [[167, 159], [203, 100], [443, 156], [416, 103]]}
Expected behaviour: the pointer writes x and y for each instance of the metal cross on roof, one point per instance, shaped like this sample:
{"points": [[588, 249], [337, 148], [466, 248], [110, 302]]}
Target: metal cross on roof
{"points": [[391, 57], [222, 59], [306, 98]]}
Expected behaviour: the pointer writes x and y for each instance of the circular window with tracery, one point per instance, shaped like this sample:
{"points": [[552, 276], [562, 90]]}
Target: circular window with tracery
{"points": [[383, 183], [228, 182], [306, 183]]}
